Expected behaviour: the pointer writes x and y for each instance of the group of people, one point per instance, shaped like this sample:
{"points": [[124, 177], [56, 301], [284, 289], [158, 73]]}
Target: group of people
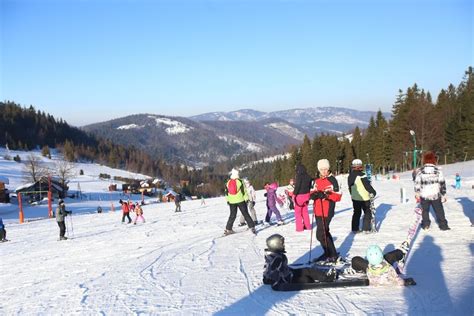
{"points": [[128, 207]]}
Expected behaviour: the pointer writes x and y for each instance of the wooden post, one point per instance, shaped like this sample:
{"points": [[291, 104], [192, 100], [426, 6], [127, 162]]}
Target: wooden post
{"points": [[20, 205]]}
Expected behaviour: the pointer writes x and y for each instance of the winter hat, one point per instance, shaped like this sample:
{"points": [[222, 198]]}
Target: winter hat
{"points": [[234, 174], [429, 157], [323, 164], [374, 255], [60, 202], [356, 163]]}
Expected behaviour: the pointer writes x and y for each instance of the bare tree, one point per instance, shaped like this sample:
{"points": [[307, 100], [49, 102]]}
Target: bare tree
{"points": [[65, 170], [34, 168]]}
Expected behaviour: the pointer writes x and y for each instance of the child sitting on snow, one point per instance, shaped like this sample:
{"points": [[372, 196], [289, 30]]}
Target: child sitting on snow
{"points": [[379, 268], [278, 272]]}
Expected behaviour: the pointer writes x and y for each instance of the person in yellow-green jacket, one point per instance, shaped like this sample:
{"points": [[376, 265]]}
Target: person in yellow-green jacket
{"points": [[361, 190], [237, 197]]}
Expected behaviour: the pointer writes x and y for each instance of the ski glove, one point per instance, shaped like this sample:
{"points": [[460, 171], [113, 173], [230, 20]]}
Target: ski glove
{"points": [[409, 281]]}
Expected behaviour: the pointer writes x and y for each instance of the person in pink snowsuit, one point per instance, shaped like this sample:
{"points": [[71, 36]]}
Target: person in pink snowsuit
{"points": [[139, 213], [301, 195], [272, 200]]}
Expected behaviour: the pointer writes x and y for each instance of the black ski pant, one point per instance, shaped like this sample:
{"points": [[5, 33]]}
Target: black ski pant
{"points": [[3, 234], [358, 207], [62, 229], [309, 275], [324, 236], [233, 214], [360, 264], [178, 207], [439, 212], [128, 216]]}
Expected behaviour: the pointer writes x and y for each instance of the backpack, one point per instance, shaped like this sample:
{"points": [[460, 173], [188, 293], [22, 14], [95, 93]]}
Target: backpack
{"points": [[232, 187]]}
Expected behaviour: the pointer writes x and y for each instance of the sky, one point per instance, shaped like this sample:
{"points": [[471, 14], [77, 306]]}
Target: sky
{"points": [[90, 61]]}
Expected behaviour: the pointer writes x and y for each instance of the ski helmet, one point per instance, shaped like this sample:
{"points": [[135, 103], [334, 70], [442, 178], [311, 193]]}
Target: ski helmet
{"points": [[356, 163], [276, 242], [60, 202], [374, 255]]}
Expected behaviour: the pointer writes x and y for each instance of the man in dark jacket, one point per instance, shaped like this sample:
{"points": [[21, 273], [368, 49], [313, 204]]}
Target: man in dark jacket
{"points": [[301, 195], [361, 190], [61, 213]]}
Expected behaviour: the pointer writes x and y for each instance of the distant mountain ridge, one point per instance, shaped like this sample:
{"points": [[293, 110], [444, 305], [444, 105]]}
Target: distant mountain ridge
{"points": [[218, 136]]}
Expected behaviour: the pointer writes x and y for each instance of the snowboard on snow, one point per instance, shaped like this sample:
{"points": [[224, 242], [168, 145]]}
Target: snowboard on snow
{"points": [[319, 285], [373, 210], [406, 245]]}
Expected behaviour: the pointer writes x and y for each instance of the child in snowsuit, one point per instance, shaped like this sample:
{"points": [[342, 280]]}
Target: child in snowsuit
{"points": [[458, 181], [125, 211], [277, 272], [430, 188], [301, 197], [325, 194], [290, 189], [3, 231], [138, 213], [272, 200], [378, 266], [252, 198]]}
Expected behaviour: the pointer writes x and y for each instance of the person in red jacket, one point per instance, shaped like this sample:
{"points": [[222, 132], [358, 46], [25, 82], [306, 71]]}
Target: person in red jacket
{"points": [[325, 193], [125, 211]]}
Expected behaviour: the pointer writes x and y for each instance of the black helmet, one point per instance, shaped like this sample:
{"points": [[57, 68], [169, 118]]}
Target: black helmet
{"points": [[276, 243]]}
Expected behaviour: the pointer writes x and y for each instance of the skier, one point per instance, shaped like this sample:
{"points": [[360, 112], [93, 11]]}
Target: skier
{"points": [[458, 181], [250, 204], [430, 188], [61, 213], [277, 272], [177, 202], [237, 197], [125, 211], [290, 188], [203, 201], [325, 193], [138, 213], [272, 200], [379, 267], [360, 189], [301, 196], [3, 231]]}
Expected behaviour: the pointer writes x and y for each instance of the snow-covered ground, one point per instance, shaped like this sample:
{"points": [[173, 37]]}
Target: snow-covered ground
{"points": [[177, 264]]}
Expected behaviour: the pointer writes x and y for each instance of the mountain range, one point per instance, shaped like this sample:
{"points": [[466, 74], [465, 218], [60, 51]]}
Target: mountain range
{"points": [[218, 136]]}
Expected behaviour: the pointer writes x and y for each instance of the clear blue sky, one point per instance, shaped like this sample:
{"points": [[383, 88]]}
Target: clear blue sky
{"points": [[88, 61]]}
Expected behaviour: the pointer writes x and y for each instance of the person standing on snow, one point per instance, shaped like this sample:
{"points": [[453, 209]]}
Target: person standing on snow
{"points": [[289, 190], [125, 211], [177, 202], [361, 191], [237, 197], [301, 197], [272, 200], [430, 190], [138, 213], [250, 203], [458, 181], [61, 213], [3, 231], [325, 194]]}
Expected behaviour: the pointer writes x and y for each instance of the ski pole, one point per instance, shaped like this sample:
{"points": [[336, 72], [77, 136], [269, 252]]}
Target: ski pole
{"points": [[72, 226]]}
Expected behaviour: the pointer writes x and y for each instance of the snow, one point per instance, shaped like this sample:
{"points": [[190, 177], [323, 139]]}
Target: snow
{"points": [[177, 264], [130, 126], [286, 129], [174, 128]]}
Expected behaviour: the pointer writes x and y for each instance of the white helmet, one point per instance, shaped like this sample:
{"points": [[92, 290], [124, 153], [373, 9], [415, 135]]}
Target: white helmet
{"points": [[356, 163]]}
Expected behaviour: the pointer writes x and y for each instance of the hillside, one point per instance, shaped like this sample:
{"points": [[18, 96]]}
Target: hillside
{"points": [[177, 264]]}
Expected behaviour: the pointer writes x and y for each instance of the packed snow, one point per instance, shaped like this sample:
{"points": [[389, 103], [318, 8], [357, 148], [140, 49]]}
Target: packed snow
{"points": [[178, 264], [130, 126], [174, 127]]}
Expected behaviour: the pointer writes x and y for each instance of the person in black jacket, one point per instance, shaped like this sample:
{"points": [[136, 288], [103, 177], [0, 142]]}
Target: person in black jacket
{"points": [[361, 190], [277, 272], [61, 213], [301, 195]]}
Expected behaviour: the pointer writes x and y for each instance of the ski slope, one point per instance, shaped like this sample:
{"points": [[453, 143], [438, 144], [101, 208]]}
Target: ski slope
{"points": [[177, 263]]}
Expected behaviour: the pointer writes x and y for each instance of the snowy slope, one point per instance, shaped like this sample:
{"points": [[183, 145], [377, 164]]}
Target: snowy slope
{"points": [[176, 264]]}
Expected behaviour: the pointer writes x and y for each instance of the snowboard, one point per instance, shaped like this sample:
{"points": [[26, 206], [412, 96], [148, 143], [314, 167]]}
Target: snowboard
{"points": [[406, 245], [373, 210], [319, 285]]}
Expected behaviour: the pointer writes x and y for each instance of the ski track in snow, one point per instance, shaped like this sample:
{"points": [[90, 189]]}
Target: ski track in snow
{"points": [[178, 263]]}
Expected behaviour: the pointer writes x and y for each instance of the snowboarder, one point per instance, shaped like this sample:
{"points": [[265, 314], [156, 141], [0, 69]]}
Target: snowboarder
{"points": [[325, 193], [250, 204], [138, 213], [379, 267], [430, 189], [277, 272], [301, 196], [458, 181], [237, 197], [360, 189], [61, 213], [272, 200], [3, 231], [177, 202], [125, 211]]}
